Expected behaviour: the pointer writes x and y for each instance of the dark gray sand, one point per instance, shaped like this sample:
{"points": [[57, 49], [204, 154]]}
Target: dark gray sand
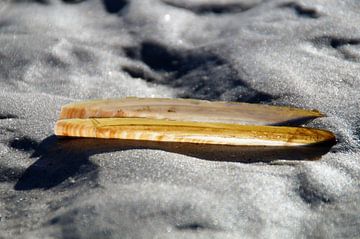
{"points": [[298, 53]]}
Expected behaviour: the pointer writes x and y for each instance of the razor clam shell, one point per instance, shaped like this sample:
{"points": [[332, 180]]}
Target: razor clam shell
{"points": [[189, 110], [192, 132]]}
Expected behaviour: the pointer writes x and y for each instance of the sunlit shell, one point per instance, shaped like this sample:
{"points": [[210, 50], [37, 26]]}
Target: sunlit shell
{"points": [[188, 110], [192, 132]]}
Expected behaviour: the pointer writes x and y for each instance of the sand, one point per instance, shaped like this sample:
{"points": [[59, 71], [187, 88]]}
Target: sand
{"points": [[299, 53]]}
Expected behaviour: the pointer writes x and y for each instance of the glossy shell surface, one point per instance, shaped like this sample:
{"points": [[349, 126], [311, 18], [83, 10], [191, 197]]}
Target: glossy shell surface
{"points": [[192, 132], [189, 110]]}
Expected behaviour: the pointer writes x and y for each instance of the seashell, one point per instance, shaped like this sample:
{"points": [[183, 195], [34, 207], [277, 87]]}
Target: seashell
{"points": [[189, 110], [191, 132]]}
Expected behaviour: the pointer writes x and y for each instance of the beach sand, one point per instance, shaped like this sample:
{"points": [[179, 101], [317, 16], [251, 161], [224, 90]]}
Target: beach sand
{"points": [[295, 53]]}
